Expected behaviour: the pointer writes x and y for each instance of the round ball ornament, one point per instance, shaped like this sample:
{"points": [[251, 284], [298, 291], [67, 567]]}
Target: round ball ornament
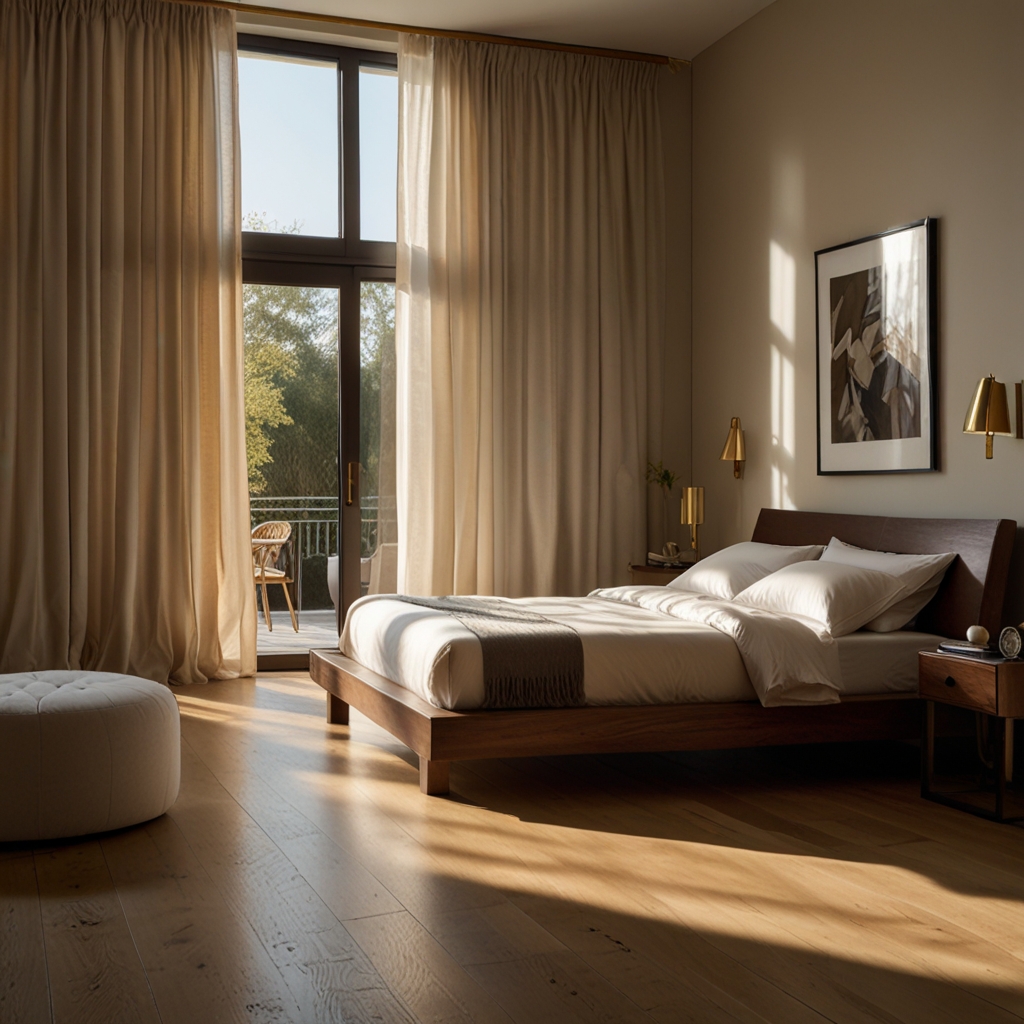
{"points": [[1010, 642], [977, 635]]}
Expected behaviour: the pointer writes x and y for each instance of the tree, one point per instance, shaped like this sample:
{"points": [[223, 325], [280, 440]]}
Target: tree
{"points": [[377, 412], [301, 325], [376, 384], [291, 374], [267, 366]]}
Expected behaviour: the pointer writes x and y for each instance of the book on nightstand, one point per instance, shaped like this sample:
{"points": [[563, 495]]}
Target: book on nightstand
{"points": [[968, 650]]}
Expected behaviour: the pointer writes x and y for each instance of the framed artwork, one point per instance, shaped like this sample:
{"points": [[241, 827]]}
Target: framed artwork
{"points": [[877, 352]]}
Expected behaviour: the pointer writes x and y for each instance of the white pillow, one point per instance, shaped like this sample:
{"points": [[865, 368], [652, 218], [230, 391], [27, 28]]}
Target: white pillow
{"points": [[725, 573], [921, 576], [840, 597]]}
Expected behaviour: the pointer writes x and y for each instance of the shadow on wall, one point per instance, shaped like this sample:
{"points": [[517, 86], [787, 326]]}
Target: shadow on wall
{"points": [[1013, 606]]}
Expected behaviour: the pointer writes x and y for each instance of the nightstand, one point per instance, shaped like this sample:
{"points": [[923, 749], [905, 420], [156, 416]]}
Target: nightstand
{"points": [[995, 690], [656, 575]]}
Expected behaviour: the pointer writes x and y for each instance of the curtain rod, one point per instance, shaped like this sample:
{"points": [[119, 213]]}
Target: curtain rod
{"points": [[674, 63]]}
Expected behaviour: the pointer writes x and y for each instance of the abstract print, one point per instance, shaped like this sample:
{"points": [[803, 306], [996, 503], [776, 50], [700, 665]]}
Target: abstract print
{"points": [[876, 358]]}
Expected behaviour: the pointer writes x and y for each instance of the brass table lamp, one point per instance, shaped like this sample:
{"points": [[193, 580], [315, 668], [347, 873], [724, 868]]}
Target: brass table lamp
{"points": [[692, 514]]}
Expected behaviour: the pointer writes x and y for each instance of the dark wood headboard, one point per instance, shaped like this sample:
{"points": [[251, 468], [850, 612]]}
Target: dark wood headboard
{"points": [[974, 587]]}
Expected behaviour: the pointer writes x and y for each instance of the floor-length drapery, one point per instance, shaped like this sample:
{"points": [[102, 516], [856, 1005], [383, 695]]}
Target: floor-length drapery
{"points": [[529, 304], [123, 497]]}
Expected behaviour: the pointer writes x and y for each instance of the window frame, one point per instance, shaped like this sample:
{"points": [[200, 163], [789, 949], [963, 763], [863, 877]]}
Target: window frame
{"points": [[348, 249], [343, 263]]}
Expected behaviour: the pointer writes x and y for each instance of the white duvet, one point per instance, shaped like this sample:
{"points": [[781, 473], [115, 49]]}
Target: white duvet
{"points": [[789, 660], [643, 645]]}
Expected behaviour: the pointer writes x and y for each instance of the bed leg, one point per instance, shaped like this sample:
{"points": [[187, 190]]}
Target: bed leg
{"points": [[337, 710], [434, 777]]}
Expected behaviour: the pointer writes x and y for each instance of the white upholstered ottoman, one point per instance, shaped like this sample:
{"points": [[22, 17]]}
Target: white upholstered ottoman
{"points": [[84, 752]]}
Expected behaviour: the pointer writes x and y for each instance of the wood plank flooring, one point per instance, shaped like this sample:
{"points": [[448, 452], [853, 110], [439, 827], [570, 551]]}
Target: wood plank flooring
{"points": [[302, 877]]}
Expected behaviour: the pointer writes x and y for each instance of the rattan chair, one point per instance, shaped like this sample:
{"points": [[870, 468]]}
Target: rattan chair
{"points": [[267, 541]]}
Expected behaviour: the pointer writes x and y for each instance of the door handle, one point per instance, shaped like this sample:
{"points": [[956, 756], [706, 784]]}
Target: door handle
{"points": [[352, 483]]}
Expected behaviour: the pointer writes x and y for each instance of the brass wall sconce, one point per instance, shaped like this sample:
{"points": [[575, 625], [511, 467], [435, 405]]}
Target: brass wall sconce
{"points": [[692, 514], [989, 412], [735, 450]]}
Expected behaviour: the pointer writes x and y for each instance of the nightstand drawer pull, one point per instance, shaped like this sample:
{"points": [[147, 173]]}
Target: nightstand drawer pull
{"points": [[950, 681]]}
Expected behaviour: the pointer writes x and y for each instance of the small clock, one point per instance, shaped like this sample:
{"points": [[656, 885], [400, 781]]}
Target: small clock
{"points": [[1010, 642]]}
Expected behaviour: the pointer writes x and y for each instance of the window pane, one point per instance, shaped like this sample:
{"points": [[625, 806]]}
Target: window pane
{"points": [[288, 118], [378, 153], [291, 432], [379, 542]]}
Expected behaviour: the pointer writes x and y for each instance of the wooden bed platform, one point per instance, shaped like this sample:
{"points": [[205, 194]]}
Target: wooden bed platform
{"points": [[972, 592]]}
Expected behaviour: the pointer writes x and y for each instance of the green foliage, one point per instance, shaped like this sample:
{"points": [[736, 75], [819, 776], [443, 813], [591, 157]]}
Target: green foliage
{"points": [[267, 366], [376, 385], [664, 478], [301, 326], [291, 386]]}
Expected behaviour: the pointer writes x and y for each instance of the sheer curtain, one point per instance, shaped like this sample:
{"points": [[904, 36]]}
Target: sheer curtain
{"points": [[123, 497], [529, 316]]}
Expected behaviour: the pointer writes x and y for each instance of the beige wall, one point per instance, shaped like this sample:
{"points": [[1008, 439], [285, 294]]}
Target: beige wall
{"points": [[674, 102], [816, 123]]}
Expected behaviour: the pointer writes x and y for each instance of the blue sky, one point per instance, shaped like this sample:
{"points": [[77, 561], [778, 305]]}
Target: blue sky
{"points": [[288, 116]]}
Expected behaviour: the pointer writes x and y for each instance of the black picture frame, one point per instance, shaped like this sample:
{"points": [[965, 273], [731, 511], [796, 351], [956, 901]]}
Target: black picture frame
{"points": [[877, 393]]}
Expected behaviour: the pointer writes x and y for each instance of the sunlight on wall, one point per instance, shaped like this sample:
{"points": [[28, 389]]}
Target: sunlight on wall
{"points": [[782, 309], [783, 428], [903, 299], [782, 289]]}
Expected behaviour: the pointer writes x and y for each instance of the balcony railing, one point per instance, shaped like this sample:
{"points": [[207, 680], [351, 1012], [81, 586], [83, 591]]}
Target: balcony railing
{"points": [[314, 523], [313, 519]]}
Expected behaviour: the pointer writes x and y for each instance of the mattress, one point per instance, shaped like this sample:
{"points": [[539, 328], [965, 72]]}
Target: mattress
{"points": [[631, 655]]}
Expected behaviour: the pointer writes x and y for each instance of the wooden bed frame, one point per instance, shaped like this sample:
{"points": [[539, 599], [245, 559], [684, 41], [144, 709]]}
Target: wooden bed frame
{"points": [[972, 592]]}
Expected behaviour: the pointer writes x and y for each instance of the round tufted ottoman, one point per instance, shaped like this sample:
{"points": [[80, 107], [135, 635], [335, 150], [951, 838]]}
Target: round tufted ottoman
{"points": [[84, 752]]}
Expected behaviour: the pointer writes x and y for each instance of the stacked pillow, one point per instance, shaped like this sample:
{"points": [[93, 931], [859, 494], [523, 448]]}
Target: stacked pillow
{"points": [[840, 597], [845, 589], [921, 576], [731, 570]]}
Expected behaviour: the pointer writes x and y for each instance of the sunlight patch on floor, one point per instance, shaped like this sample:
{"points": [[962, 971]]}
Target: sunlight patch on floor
{"points": [[854, 910]]}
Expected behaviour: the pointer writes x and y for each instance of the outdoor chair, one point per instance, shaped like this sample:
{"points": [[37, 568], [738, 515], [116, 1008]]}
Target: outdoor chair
{"points": [[267, 541]]}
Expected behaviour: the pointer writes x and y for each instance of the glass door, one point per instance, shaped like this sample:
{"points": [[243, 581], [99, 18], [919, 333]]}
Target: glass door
{"points": [[378, 538], [367, 411], [319, 148], [291, 402], [320, 439]]}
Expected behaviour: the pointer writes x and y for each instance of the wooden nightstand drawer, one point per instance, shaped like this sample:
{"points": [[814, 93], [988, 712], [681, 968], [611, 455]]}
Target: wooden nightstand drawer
{"points": [[959, 681]]}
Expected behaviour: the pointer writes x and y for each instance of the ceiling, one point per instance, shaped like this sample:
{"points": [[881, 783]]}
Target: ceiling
{"points": [[675, 28]]}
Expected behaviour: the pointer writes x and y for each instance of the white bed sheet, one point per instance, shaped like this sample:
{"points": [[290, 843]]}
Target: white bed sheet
{"points": [[631, 655], [873, 663]]}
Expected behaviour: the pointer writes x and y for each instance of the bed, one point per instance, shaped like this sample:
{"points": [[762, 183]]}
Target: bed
{"points": [[879, 701]]}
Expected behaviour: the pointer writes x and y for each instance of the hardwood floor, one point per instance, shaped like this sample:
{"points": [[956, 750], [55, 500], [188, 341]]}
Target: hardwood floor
{"points": [[302, 877]]}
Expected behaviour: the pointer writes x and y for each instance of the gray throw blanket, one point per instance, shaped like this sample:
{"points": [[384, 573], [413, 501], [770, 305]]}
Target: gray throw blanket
{"points": [[529, 661]]}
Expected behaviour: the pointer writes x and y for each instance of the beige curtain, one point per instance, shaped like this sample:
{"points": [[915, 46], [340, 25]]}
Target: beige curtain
{"points": [[529, 316], [123, 497]]}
